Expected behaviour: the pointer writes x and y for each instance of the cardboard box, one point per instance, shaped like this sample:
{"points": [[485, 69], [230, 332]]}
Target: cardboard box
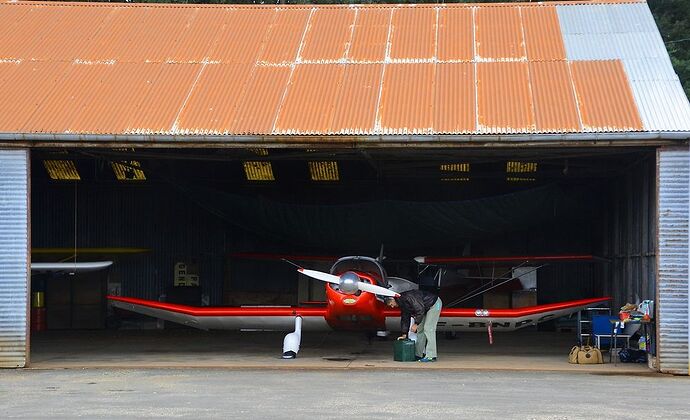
{"points": [[496, 300], [522, 298]]}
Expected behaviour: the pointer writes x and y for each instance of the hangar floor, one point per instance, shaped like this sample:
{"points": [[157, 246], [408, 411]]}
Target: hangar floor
{"points": [[181, 348]]}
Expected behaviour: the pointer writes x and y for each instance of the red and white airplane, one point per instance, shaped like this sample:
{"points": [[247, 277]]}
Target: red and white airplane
{"points": [[355, 289]]}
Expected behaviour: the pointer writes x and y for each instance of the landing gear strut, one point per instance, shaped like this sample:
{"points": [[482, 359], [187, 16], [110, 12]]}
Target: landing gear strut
{"points": [[292, 341]]}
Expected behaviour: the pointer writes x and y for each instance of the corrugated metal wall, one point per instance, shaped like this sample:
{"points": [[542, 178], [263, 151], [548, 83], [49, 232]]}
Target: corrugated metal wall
{"points": [[629, 241], [152, 216], [673, 309], [14, 243]]}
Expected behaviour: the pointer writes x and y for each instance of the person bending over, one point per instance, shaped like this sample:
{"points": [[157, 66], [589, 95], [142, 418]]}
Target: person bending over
{"points": [[425, 308]]}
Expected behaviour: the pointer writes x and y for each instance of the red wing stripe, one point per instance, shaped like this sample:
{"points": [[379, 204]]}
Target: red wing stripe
{"points": [[440, 260], [223, 310], [511, 313], [278, 257]]}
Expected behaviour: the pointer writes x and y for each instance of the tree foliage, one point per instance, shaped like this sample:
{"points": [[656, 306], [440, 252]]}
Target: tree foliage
{"points": [[673, 19]]}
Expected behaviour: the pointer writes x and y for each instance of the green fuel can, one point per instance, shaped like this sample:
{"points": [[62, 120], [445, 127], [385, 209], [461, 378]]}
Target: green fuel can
{"points": [[403, 351]]}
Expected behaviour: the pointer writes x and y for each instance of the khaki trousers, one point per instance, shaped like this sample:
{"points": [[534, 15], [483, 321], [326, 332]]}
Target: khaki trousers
{"points": [[426, 331]]}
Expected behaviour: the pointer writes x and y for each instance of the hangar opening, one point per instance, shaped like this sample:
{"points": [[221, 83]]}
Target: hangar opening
{"points": [[193, 147], [211, 227]]}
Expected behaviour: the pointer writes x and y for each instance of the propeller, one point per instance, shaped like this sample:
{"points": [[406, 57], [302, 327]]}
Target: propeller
{"points": [[348, 283]]}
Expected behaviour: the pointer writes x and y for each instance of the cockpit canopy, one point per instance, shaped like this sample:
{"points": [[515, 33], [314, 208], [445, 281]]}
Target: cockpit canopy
{"points": [[359, 264]]}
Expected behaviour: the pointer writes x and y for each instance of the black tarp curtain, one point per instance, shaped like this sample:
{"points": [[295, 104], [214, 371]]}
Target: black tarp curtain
{"points": [[393, 222]]}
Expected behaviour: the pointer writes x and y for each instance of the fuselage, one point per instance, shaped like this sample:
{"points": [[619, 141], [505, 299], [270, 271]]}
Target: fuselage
{"points": [[359, 311]]}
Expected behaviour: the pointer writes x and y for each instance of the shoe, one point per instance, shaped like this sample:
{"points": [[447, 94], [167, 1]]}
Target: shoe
{"points": [[417, 358], [427, 359]]}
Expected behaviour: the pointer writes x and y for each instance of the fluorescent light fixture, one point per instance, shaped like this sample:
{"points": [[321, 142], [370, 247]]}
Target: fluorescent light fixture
{"points": [[259, 152], [258, 171], [520, 167], [452, 172], [128, 170], [454, 167], [324, 171], [61, 170]]}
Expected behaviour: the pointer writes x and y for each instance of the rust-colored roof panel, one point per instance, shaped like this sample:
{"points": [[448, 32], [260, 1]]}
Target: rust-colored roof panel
{"points": [[604, 96], [555, 109], [258, 108], [118, 36], [407, 99], [304, 69], [329, 33], [242, 35], [10, 31], [308, 105], [69, 98], [171, 34], [454, 98], [355, 107], [117, 98], [504, 99], [370, 36], [166, 97], [543, 36], [285, 35], [160, 30], [65, 109], [212, 107], [47, 32], [201, 35], [498, 33], [455, 34], [59, 33], [19, 102], [413, 35]]}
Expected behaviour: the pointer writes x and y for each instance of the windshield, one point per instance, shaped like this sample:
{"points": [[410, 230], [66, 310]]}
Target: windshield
{"points": [[362, 265]]}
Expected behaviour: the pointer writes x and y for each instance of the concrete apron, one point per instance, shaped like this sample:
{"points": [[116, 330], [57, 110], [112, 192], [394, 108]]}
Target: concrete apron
{"points": [[186, 348]]}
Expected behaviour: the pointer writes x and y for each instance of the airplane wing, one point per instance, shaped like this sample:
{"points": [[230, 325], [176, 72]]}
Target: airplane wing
{"points": [[69, 267], [467, 319], [281, 257], [511, 259], [268, 318]]}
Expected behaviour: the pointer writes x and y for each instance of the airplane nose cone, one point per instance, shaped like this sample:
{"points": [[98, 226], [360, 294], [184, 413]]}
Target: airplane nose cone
{"points": [[348, 283]]}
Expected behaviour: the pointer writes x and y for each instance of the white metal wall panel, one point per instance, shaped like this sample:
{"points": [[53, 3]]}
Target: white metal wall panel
{"points": [[627, 32], [14, 271], [673, 285]]}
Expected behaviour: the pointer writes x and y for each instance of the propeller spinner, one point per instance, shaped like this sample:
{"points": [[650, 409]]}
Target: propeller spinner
{"points": [[348, 282]]}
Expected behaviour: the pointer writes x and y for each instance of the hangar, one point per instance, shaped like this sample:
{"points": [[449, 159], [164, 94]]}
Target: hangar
{"points": [[163, 137]]}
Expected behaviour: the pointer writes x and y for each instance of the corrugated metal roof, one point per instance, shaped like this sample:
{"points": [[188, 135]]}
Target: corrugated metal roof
{"points": [[455, 95], [554, 100], [627, 32], [403, 109], [370, 35], [505, 103], [604, 96], [499, 35], [361, 85], [76, 68]]}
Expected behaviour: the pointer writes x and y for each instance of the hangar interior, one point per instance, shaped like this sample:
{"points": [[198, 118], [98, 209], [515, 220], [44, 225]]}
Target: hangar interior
{"points": [[214, 210]]}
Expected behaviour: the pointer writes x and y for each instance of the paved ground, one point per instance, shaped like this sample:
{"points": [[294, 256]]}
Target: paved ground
{"points": [[183, 348], [197, 374], [290, 394]]}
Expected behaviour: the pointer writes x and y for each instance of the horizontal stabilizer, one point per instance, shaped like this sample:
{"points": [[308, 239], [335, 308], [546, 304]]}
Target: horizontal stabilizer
{"points": [[69, 267]]}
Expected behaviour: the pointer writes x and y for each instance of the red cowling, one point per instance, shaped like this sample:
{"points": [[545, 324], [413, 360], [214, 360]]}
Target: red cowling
{"points": [[361, 311]]}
